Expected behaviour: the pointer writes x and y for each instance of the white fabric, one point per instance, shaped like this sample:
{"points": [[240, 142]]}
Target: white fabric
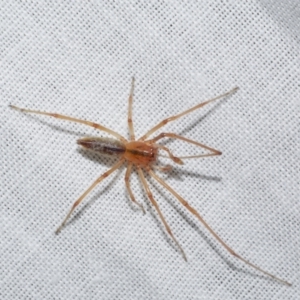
{"points": [[77, 58]]}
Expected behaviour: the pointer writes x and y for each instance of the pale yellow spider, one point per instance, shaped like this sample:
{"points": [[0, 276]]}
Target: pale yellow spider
{"points": [[142, 153]]}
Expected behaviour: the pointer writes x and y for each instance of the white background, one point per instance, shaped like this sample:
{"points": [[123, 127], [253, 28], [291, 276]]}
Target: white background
{"points": [[77, 58]]}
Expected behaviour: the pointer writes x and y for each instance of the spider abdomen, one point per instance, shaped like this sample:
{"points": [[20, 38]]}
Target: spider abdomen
{"points": [[106, 146]]}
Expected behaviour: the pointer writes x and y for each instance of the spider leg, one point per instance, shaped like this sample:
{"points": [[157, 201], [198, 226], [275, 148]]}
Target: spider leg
{"points": [[155, 204], [177, 160], [165, 168], [179, 137], [63, 117], [127, 175], [197, 215], [97, 181], [173, 118], [130, 122]]}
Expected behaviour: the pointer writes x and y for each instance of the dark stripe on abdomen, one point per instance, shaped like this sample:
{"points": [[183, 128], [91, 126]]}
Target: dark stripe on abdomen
{"points": [[103, 145]]}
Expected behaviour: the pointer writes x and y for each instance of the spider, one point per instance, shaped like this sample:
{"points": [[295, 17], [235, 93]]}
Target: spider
{"points": [[142, 153]]}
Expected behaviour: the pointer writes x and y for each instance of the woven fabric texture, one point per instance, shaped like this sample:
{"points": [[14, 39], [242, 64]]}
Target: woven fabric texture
{"points": [[77, 58]]}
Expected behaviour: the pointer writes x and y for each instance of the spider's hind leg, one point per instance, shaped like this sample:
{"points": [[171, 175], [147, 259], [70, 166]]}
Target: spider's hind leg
{"points": [[127, 183], [155, 204]]}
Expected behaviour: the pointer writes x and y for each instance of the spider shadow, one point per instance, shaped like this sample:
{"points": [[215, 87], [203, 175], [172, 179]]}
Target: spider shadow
{"points": [[179, 174]]}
